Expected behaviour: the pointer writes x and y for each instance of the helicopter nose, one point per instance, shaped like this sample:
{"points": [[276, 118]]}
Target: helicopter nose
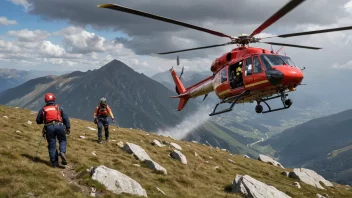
{"points": [[292, 76], [274, 76]]}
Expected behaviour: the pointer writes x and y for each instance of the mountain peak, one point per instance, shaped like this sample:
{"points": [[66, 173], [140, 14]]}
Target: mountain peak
{"points": [[116, 65]]}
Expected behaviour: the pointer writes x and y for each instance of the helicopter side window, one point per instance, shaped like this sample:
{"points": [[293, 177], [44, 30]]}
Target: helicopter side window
{"points": [[257, 66], [223, 75], [248, 66]]}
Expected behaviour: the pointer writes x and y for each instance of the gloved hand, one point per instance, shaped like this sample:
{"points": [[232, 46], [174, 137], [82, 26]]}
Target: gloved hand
{"points": [[68, 131], [95, 121], [113, 120]]}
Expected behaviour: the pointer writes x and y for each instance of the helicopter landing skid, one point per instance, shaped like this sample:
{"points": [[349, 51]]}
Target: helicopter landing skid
{"points": [[225, 100], [285, 101]]}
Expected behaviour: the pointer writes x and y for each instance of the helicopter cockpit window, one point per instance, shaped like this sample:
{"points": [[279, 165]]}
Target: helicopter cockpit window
{"points": [[257, 67], [271, 60], [248, 66], [288, 60]]}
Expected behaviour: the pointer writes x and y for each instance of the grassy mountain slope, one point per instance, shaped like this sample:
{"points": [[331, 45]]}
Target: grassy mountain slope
{"points": [[21, 177], [323, 144]]}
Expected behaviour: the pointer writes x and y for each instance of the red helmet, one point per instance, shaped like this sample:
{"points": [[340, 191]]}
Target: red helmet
{"points": [[49, 97]]}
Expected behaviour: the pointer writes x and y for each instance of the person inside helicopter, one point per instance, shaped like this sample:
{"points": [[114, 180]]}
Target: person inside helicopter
{"points": [[236, 75]]}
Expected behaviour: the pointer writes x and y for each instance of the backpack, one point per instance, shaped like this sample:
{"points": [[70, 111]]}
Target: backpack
{"points": [[52, 113]]}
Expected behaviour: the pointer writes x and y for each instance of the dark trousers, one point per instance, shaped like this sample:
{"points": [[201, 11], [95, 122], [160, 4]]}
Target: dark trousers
{"points": [[103, 122], [53, 132]]}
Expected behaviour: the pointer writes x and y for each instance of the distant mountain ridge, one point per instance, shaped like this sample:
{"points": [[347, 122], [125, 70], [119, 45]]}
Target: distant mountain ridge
{"points": [[10, 78], [136, 100], [324, 144]]}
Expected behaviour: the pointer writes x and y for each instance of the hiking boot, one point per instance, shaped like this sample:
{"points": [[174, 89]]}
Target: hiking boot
{"points": [[54, 165], [107, 139], [63, 159], [100, 141]]}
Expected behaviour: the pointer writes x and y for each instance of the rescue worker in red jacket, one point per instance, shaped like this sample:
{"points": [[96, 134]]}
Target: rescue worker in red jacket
{"points": [[56, 125], [101, 113]]}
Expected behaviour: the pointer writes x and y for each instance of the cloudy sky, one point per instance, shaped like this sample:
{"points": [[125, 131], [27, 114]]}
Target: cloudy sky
{"points": [[77, 35]]}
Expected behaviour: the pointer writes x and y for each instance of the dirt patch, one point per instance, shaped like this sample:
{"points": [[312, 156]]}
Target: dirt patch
{"points": [[74, 179]]}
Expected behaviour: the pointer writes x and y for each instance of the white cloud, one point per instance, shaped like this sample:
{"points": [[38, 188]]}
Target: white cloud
{"points": [[5, 21], [29, 36], [23, 3]]}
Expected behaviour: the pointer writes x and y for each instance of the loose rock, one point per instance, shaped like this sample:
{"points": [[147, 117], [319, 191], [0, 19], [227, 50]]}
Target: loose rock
{"points": [[310, 177], [29, 122], [231, 161], [251, 187], [246, 156], [269, 160], [117, 182], [179, 156], [82, 137], [5, 117], [92, 129], [195, 142], [157, 143], [176, 146], [155, 166], [137, 151], [297, 185], [196, 154], [286, 173], [120, 144]]}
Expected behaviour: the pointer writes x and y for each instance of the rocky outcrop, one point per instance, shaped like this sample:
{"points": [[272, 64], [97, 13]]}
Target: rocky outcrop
{"points": [[116, 181], [269, 160], [309, 177], [251, 187], [179, 156]]}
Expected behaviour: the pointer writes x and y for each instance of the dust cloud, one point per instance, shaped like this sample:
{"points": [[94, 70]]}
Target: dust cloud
{"points": [[189, 123]]}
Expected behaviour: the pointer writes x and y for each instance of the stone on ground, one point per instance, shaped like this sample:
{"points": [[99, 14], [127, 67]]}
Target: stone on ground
{"points": [[269, 160], [179, 156], [137, 151], [251, 187], [116, 181], [176, 146], [310, 177]]}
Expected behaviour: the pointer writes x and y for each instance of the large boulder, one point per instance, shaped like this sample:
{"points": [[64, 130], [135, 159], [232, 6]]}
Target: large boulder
{"points": [[179, 156], [116, 181], [269, 160], [309, 177], [251, 187], [137, 151]]}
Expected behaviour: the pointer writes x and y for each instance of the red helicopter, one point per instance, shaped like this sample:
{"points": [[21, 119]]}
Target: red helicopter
{"points": [[264, 74]]}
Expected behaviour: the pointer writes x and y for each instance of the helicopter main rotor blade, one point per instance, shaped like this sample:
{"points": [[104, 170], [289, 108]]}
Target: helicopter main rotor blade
{"points": [[160, 18], [280, 13], [312, 32], [210, 46], [291, 45]]}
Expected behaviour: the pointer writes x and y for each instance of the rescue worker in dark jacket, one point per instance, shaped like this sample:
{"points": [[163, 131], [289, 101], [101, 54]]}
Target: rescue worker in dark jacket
{"points": [[56, 125], [101, 113]]}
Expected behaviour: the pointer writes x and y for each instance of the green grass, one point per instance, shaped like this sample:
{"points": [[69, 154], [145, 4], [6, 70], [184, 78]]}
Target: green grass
{"points": [[20, 175], [339, 151]]}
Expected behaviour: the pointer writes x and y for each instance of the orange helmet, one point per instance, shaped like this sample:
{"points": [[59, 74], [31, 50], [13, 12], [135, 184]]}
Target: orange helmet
{"points": [[49, 97]]}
